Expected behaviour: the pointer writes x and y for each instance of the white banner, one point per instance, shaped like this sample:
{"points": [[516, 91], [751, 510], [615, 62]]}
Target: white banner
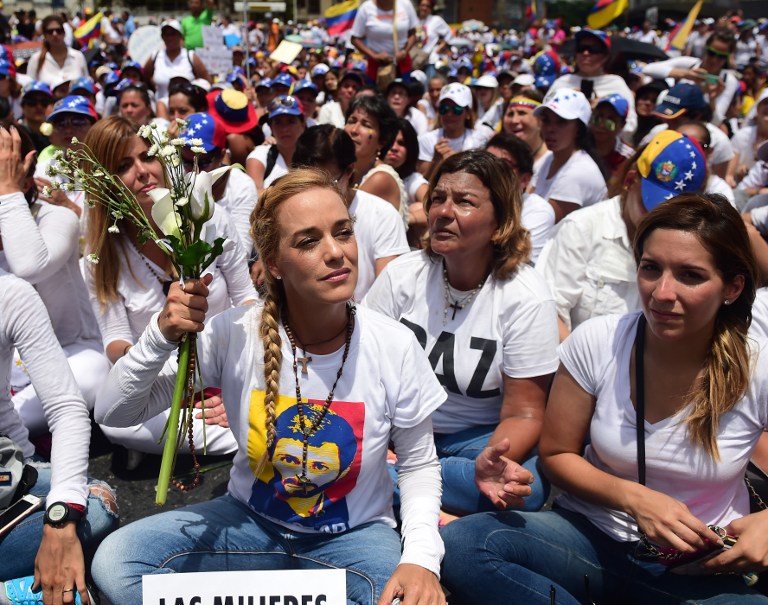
{"points": [[284, 587]]}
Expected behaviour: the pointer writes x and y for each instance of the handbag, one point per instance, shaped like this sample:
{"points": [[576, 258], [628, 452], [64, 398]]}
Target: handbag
{"points": [[385, 74], [16, 478]]}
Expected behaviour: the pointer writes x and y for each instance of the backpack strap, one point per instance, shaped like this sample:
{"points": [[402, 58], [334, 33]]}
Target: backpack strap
{"points": [[272, 155]]}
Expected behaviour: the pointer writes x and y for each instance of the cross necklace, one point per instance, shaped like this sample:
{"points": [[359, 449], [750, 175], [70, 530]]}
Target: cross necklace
{"points": [[457, 305], [307, 431]]}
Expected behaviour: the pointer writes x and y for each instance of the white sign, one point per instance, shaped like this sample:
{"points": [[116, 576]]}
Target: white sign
{"points": [[278, 7], [212, 36], [144, 43], [217, 60], [285, 587]]}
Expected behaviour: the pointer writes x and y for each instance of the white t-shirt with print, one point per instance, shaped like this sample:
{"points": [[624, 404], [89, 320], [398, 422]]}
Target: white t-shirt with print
{"points": [[597, 354], [509, 328], [380, 233], [579, 180], [427, 141], [374, 26]]}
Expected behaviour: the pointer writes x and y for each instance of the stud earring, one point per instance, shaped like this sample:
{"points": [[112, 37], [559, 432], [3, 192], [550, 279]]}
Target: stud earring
{"points": [[726, 302]]}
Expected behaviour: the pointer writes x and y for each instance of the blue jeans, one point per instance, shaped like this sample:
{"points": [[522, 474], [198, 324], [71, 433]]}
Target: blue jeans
{"points": [[19, 548], [512, 557], [225, 535]]}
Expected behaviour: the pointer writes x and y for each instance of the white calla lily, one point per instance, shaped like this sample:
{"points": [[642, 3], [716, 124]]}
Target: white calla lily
{"points": [[164, 212], [201, 201]]}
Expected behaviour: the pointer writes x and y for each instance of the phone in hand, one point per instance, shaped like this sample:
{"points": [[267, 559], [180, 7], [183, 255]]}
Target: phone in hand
{"points": [[712, 80], [17, 511], [692, 566]]}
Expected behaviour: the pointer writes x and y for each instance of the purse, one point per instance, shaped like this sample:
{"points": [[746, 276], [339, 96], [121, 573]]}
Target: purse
{"points": [[385, 74], [16, 478]]}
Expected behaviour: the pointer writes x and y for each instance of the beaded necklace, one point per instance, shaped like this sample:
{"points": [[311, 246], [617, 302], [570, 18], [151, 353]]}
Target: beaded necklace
{"points": [[307, 431], [164, 280], [457, 305]]}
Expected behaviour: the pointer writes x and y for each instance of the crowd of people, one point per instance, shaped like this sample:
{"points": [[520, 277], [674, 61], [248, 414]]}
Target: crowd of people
{"points": [[490, 325]]}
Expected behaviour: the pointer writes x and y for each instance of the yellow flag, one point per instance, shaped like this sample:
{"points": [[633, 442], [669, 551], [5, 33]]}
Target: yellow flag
{"points": [[606, 11], [681, 36]]}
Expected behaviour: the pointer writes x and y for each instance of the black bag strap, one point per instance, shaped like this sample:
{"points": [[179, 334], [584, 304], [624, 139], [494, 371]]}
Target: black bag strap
{"points": [[640, 398], [272, 155]]}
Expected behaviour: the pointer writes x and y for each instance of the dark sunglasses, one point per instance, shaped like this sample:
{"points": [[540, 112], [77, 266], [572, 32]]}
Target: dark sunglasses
{"points": [[607, 123], [39, 101], [56, 30], [73, 122], [203, 162], [592, 49], [445, 109], [713, 52]]}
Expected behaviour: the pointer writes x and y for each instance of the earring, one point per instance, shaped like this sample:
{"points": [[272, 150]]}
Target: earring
{"points": [[278, 277], [726, 302]]}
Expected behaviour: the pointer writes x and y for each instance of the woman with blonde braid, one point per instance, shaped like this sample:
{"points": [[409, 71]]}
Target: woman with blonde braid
{"points": [[315, 390]]}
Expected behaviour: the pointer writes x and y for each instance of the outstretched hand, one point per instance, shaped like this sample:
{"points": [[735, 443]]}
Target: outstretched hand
{"points": [[502, 481], [13, 170], [413, 585], [185, 308]]}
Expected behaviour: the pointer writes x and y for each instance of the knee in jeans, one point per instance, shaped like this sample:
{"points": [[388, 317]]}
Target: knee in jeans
{"points": [[106, 496]]}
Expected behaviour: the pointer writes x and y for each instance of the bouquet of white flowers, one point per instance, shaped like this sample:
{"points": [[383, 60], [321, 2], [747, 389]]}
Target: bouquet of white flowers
{"points": [[180, 213]]}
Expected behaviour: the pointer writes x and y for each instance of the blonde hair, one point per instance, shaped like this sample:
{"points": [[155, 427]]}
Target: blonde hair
{"points": [[265, 232], [727, 367], [109, 140], [511, 243]]}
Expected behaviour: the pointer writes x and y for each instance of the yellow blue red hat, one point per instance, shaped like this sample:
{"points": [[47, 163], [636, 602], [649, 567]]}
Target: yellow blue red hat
{"points": [[671, 164]]}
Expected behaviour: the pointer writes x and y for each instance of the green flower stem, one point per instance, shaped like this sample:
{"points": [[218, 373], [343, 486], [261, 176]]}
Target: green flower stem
{"points": [[172, 428]]}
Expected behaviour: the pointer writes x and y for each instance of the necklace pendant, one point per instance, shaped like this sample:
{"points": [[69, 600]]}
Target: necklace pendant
{"points": [[304, 482], [304, 361]]}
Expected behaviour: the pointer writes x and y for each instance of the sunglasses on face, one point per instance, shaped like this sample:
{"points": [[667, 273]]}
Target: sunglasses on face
{"points": [[203, 162], [74, 122], [718, 54], [445, 109], [592, 49], [607, 123], [39, 102], [56, 30]]}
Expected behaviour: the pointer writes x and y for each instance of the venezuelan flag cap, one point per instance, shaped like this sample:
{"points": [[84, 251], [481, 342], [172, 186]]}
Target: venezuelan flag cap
{"points": [[671, 164]]}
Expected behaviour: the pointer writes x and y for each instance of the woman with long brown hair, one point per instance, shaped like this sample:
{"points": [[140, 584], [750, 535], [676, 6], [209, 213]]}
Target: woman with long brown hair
{"points": [[56, 62], [315, 390]]}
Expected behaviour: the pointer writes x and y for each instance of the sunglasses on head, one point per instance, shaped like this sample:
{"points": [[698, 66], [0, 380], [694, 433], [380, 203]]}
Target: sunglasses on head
{"points": [[288, 102], [445, 108], [55, 30], [607, 123], [719, 54], [592, 49]]}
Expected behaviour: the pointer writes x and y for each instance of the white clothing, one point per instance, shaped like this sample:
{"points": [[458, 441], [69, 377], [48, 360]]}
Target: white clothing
{"points": [[756, 177], [379, 232], [744, 143], [166, 69], [387, 169], [661, 69], [508, 329], [330, 113], [471, 139], [24, 324], [418, 120], [433, 29], [426, 108], [759, 215], [715, 184], [538, 216], [493, 116], [579, 180], [52, 73], [412, 184], [239, 200], [597, 355], [759, 327], [374, 26], [279, 168], [385, 391], [589, 265], [602, 87], [722, 150]]}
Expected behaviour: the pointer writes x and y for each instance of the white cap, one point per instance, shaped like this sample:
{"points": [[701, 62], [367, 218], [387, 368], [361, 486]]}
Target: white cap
{"points": [[202, 83], [173, 24], [419, 76], [524, 80], [487, 81], [458, 93], [569, 104]]}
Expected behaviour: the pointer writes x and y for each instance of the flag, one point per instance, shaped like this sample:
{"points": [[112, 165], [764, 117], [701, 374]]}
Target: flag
{"points": [[532, 10], [679, 35], [339, 17], [606, 11], [89, 30]]}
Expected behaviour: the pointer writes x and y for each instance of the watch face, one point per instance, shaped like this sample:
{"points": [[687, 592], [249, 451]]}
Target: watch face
{"points": [[57, 512]]}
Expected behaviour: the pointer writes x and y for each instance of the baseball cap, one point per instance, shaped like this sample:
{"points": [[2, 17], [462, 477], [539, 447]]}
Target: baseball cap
{"points": [[36, 86], [173, 24], [524, 80], [671, 164], [546, 67], [458, 93], [73, 104], [131, 65], [264, 83], [320, 70], [602, 36], [356, 75], [568, 104], [5, 67], [84, 83], [679, 99], [285, 105], [486, 81], [203, 126], [619, 103], [299, 85], [284, 79]]}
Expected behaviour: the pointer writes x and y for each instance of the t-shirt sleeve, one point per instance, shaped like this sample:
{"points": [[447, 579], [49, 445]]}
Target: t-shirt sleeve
{"points": [[381, 295], [579, 182], [359, 27], [583, 352], [413, 19], [420, 392], [427, 147], [390, 234]]}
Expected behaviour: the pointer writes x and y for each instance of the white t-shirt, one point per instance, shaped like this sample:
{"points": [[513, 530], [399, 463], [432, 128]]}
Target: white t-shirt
{"points": [[412, 183], [538, 217], [434, 28], [579, 180], [374, 26], [509, 328], [165, 70], [759, 327], [330, 113], [418, 120], [402, 210], [379, 232], [597, 355], [52, 73], [427, 141], [715, 184], [280, 168], [239, 200], [743, 142], [386, 389], [589, 265]]}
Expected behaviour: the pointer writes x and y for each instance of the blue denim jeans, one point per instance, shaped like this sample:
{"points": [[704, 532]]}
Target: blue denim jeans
{"points": [[225, 535], [512, 557], [19, 547]]}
